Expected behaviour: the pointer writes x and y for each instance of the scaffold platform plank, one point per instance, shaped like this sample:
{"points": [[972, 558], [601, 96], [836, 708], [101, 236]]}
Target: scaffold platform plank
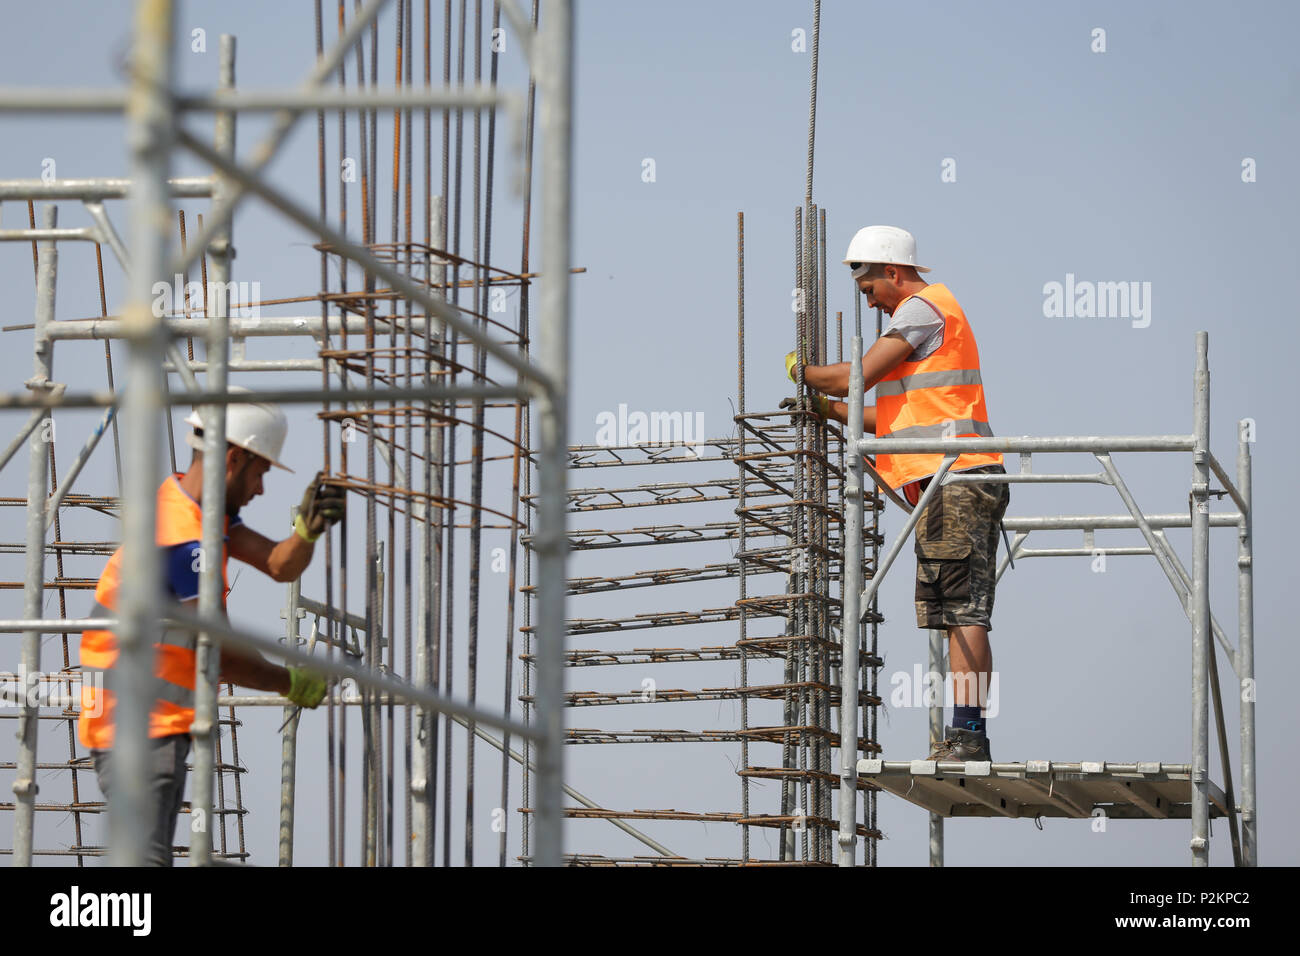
{"points": [[1042, 788]]}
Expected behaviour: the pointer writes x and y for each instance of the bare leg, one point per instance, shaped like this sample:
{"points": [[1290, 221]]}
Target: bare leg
{"points": [[970, 661]]}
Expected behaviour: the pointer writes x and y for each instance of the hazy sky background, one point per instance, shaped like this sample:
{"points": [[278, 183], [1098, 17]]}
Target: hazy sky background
{"points": [[1124, 166]]}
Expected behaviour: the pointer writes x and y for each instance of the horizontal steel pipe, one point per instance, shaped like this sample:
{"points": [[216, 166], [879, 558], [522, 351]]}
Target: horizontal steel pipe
{"points": [[1023, 478], [1081, 443], [240, 328], [408, 693], [187, 187], [59, 235], [1099, 522], [56, 626], [327, 98], [286, 396], [1080, 552]]}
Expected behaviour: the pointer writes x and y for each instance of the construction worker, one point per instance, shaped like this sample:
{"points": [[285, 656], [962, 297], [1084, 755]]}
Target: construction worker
{"points": [[926, 371], [255, 436]]}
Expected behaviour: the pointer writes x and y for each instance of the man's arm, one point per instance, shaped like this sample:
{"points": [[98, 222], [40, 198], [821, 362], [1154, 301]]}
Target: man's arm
{"points": [[251, 669], [247, 668], [882, 358], [280, 560], [840, 412]]}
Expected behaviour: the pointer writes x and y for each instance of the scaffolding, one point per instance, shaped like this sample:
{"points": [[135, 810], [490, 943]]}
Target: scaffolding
{"points": [[408, 354], [411, 362], [1035, 788]]}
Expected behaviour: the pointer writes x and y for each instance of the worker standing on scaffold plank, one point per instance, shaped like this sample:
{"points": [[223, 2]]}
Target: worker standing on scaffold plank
{"points": [[255, 434], [926, 370]]}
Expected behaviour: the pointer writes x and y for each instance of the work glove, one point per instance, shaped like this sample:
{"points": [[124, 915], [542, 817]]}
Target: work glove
{"points": [[306, 688], [792, 359], [321, 506], [821, 405]]}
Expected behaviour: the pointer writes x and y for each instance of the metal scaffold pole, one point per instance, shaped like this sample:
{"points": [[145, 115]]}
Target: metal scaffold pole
{"points": [[1246, 644], [150, 125], [212, 598], [34, 584], [1200, 606], [555, 80], [850, 629]]}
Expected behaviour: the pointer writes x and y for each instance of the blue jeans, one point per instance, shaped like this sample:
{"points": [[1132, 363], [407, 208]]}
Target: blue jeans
{"points": [[166, 784]]}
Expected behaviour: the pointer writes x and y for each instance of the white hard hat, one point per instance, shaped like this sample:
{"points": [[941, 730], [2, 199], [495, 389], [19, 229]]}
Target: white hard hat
{"points": [[258, 427], [887, 245]]}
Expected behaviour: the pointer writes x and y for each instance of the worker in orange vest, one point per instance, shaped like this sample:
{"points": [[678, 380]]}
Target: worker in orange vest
{"points": [[926, 371], [255, 434]]}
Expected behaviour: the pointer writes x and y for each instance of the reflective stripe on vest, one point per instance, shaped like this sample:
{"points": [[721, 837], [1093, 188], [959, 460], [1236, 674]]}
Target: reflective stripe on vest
{"points": [[160, 689], [963, 426], [957, 376], [939, 396]]}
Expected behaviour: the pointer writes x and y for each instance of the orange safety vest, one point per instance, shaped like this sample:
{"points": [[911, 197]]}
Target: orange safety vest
{"points": [[941, 391], [179, 519]]}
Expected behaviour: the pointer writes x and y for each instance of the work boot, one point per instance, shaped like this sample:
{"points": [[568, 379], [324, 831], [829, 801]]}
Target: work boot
{"points": [[961, 745]]}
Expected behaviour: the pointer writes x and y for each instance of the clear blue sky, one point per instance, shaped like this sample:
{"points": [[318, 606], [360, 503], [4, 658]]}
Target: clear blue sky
{"points": [[1123, 165]]}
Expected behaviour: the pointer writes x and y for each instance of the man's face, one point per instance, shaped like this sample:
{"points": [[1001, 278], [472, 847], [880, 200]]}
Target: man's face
{"points": [[244, 472], [880, 286]]}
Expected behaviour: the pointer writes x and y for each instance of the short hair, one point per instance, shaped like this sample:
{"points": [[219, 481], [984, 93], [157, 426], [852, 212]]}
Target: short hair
{"points": [[877, 270]]}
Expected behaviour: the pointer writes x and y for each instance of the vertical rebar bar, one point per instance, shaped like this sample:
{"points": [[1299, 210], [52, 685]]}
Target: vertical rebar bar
{"points": [[449, 579], [520, 446], [741, 535], [476, 450]]}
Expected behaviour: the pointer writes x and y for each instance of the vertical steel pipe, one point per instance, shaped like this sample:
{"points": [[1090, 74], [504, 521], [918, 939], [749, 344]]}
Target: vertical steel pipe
{"points": [[936, 665], [24, 785], [1246, 650], [212, 598], [1200, 842], [851, 622], [289, 734], [556, 82], [150, 132]]}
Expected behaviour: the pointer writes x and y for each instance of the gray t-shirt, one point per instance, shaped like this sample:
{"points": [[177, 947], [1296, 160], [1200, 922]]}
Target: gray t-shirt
{"points": [[920, 324]]}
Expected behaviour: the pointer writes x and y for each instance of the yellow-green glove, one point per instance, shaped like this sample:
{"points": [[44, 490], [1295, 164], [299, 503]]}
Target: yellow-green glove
{"points": [[821, 405], [306, 688], [321, 506], [791, 360]]}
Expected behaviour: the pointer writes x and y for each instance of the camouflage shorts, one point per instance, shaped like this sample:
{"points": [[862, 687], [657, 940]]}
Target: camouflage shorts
{"points": [[956, 552]]}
